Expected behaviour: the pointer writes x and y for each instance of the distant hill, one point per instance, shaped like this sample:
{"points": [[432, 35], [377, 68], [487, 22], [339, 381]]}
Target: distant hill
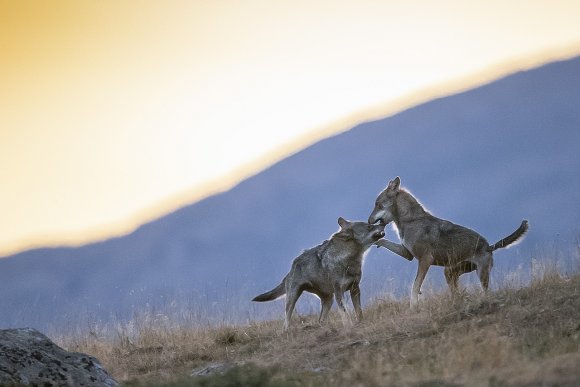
{"points": [[485, 158]]}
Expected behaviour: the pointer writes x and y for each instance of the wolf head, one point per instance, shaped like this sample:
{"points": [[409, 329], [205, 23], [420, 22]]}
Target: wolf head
{"points": [[385, 203], [363, 233]]}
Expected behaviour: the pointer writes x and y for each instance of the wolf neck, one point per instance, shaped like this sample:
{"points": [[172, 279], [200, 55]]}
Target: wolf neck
{"points": [[346, 243], [407, 208]]}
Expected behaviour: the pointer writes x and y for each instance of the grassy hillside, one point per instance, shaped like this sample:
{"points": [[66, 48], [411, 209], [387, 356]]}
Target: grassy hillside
{"points": [[525, 336]]}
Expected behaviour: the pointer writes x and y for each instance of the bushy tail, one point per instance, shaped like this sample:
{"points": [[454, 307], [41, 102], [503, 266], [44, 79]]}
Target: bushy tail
{"points": [[278, 291], [513, 237]]}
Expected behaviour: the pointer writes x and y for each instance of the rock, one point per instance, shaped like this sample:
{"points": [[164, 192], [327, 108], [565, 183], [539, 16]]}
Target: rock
{"points": [[321, 370], [357, 343], [215, 368], [27, 357]]}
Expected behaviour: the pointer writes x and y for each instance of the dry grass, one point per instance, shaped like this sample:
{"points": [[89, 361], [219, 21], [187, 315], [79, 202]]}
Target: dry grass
{"points": [[526, 336]]}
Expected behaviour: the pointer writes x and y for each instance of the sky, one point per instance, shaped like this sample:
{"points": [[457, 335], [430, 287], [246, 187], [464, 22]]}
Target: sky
{"points": [[113, 113]]}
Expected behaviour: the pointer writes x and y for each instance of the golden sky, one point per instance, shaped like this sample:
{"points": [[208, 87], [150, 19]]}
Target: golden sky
{"points": [[114, 112]]}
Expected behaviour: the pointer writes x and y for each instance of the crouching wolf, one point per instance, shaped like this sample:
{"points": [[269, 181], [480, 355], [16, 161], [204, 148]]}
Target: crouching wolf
{"points": [[329, 269], [435, 241]]}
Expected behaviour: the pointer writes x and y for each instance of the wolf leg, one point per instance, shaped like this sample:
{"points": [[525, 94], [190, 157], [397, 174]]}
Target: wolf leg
{"points": [[452, 274], [484, 266], [423, 267], [355, 297], [291, 298], [343, 313], [395, 248], [326, 302]]}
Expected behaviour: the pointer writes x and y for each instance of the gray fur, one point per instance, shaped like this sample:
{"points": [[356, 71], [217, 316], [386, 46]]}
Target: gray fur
{"points": [[329, 269], [435, 241]]}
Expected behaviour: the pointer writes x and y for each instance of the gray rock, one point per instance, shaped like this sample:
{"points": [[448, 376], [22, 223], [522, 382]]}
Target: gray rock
{"points": [[215, 368], [27, 357], [321, 370]]}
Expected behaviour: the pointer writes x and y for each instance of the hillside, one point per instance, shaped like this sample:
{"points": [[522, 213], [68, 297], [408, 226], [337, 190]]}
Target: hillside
{"points": [[525, 336], [486, 158]]}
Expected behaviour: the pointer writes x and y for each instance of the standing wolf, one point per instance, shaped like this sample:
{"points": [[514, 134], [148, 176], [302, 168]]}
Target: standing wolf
{"points": [[435, 241], [331, 268]]}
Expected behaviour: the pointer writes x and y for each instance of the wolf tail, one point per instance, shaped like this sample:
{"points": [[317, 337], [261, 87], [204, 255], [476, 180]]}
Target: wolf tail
{"points": [[278, 291], [513, 237]]}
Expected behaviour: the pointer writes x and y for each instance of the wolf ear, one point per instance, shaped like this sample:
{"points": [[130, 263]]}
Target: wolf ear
{"points": [[342, 222], [394, 184]]}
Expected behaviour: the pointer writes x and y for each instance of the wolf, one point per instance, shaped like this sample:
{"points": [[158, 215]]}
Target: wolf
{"points": [[435, 241], [329, 269]]}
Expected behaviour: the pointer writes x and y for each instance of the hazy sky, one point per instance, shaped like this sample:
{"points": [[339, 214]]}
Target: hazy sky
{"points": [[113, 112]]}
